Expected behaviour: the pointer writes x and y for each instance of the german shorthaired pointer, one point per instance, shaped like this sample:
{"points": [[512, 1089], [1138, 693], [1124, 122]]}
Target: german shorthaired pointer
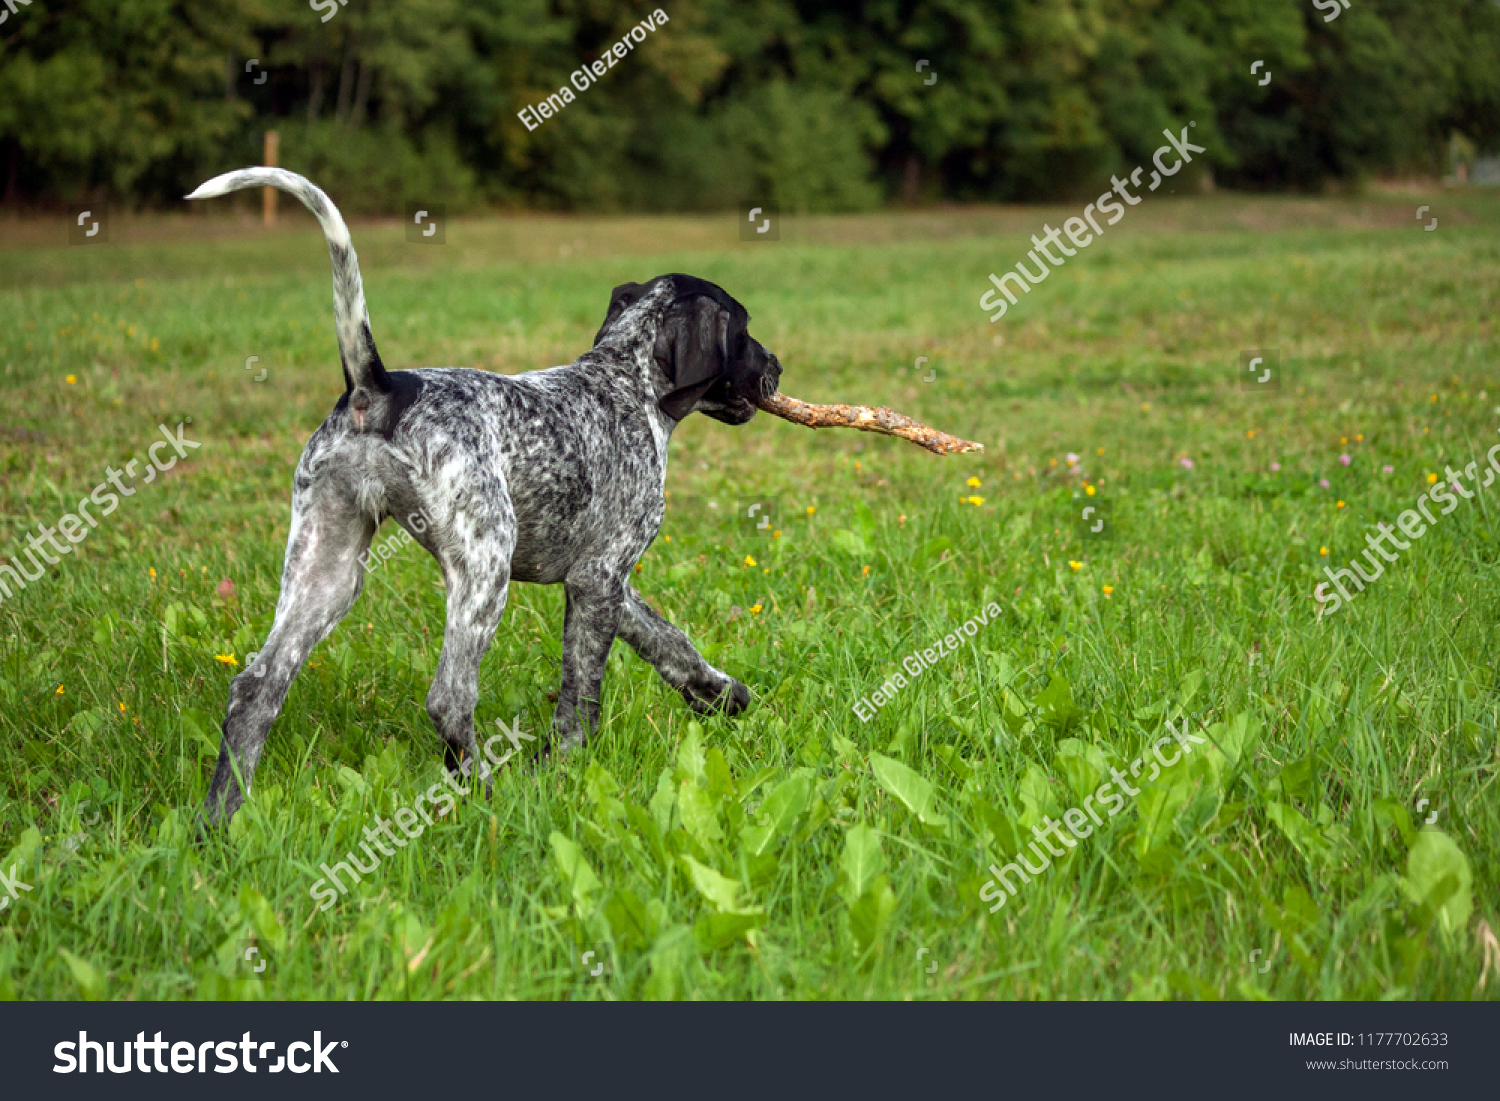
{"points": [[553, 475]]}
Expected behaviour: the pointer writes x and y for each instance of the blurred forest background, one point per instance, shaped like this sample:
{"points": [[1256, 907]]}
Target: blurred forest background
{"points": [[812, 106]]}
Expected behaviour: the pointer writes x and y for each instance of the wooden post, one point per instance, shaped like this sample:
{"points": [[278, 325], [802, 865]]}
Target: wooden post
{"points": [[268, 197]]}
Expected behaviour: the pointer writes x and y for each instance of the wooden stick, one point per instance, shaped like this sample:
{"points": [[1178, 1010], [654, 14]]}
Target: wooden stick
{"points": [[866, 418], [268, 194]]}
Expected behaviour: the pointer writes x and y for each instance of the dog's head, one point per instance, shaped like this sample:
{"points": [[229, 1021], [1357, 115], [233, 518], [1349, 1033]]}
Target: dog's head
{"points": [[711, 363]]}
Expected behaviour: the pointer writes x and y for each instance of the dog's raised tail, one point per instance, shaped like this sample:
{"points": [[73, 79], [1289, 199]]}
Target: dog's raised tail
{"points": [[363, 370]]}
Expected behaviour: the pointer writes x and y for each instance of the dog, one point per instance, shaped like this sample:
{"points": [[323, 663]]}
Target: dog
{"points": [[550, 476]]}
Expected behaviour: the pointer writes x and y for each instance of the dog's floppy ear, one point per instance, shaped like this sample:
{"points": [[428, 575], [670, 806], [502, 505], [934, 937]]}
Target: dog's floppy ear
{"points": [[692, 348], [621, 299]]}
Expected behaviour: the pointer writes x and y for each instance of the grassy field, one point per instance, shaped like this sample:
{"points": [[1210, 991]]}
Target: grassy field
{"points": [[798, 851]]}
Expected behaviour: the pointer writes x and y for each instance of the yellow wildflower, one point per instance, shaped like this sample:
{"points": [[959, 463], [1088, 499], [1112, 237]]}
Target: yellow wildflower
{"points": [[749, 561]]}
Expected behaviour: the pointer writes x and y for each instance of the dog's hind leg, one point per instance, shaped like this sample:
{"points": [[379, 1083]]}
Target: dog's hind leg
{"points": [[320, 581], [594, 611], [671, 654], [474, 552]]}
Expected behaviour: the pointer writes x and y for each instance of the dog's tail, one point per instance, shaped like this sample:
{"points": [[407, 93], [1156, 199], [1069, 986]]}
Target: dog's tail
{"points": [[362, 367]]}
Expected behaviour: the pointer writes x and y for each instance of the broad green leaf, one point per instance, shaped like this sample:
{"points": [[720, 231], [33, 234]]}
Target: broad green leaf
{"points": [[950, 756], [1083, 765], [1189, 686], [690, 755], [203, 729], [627, 919], [1300, 909], [721, 891], [1304, 837], [862, 859], [713, 931], [1038, 796], [1054, 705], [914, 790], [600, 784], [1298, 779], [648, 832], [663, 801], [90, 722], [1158, 805], [1391, 816], [871, 913], [718, 781], [91, 981], [257, 913], [778, 811], [574, 868], [1234, 740], [1438, 876], [1007, 839], [849, 543], [699, 818]]}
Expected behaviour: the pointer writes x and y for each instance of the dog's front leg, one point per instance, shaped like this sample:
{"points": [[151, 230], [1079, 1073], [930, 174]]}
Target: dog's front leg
{"points": [[677, 661], [593, 616]]}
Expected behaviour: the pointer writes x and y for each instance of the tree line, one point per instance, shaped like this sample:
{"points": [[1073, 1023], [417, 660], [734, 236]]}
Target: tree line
{"points": [[808, 106]]}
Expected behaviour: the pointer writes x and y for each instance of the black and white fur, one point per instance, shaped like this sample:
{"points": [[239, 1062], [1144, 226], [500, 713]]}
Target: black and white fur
{"points": [[550, 476]]}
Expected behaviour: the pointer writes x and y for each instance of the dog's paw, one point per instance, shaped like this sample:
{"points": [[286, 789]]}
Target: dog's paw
{"points": [[728, 700]]}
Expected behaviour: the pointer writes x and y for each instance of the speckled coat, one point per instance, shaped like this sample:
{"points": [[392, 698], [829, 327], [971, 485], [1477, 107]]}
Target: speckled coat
{"points": [[550, 476]]}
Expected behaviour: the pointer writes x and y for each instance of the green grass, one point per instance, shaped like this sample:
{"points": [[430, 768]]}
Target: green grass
{"points": [[1292, 832]]}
